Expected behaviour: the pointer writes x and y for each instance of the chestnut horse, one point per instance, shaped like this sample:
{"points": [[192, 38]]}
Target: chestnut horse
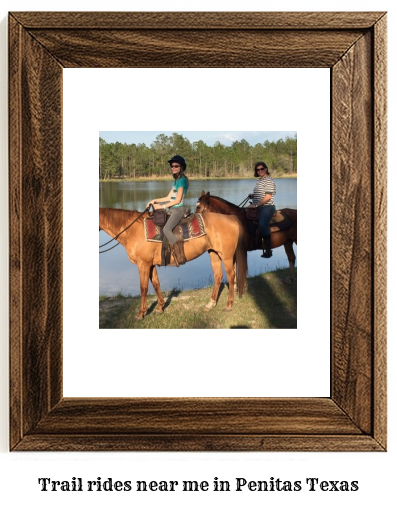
{"points": [[212, 203], [224, 241]]}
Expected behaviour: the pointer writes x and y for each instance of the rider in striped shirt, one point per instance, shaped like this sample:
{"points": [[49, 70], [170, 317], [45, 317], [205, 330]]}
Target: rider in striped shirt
{"points": [[262, 198]]}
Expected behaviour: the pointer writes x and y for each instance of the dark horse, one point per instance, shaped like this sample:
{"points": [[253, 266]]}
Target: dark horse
{"points": [[287, 237], [224, 241]]}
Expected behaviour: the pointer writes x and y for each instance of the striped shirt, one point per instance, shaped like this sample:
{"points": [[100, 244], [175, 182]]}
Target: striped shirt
{"points": [[264, 186]]}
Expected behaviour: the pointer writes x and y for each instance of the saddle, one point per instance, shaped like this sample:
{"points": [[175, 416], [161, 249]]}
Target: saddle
{"points": [[191, 227], [279, 222]]}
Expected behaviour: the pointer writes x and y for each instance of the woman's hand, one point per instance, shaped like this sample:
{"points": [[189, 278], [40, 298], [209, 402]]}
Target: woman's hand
{"points": [[250, 196]]}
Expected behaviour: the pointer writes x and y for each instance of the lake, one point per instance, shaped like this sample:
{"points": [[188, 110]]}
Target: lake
{"points": [[117, 275]]}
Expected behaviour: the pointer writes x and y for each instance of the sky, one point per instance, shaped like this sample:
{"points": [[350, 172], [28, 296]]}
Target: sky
{"points": [[209, 137]]}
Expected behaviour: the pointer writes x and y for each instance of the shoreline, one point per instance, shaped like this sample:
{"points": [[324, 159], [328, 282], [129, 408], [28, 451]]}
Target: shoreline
{"points": [[251, 311], [194, 178]]}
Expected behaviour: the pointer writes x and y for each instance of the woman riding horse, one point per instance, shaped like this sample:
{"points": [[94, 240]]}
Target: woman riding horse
{"points": [[175, 206], [262, 198]]}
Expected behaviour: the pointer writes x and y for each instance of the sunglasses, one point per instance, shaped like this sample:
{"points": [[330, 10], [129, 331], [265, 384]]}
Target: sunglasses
{"points": [[175, 165]]}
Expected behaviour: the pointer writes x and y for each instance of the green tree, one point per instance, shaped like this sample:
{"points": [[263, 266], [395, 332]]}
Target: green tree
{"points": [[122, 160]]}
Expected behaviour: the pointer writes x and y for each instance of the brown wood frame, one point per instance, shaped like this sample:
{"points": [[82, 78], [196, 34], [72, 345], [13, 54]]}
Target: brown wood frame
{"points": [[353, 46]]}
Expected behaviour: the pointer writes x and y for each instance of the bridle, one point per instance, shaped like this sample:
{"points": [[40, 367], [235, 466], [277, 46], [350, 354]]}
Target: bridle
{"points": [[203, 209], [119, 234]]}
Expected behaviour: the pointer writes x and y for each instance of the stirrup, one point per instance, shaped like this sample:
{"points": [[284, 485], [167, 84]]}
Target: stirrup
{"points": [[267, 254]]}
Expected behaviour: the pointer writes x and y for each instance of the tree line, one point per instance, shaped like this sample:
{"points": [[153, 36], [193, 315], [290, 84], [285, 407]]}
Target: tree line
{"points": [[122, 160]]}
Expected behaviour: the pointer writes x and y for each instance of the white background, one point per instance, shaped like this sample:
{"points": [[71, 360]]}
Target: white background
{"points": [[134, 361], [19, 472]]}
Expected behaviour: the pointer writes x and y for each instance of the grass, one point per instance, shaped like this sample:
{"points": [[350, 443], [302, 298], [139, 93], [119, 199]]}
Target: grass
{"points": [[269, 303]]}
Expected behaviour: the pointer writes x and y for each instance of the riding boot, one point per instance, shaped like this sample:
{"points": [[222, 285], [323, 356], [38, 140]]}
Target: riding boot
{"points": [[175, 255], [268, 247], [179, 253]]}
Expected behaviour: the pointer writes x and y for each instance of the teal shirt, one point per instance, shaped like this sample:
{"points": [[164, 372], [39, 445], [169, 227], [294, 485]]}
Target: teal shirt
{"points": [[181, 182]]}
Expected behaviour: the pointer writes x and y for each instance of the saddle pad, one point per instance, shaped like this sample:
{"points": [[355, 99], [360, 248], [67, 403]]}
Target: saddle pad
{"points": [[191, 227], [280, 221]]}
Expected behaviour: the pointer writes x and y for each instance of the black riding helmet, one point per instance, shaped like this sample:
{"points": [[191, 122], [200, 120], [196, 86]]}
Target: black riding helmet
{"points": [[179, 160]]}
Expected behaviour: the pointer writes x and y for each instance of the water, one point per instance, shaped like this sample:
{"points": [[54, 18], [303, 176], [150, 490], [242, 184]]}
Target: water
{"points": [[117, 275]]}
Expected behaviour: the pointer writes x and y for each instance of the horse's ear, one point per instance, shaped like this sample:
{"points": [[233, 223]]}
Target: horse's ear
{"points": [[202, 193], [207, 194]]}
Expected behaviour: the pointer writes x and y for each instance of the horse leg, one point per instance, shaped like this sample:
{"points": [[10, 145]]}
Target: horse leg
{"points": [[144, 270], [289, 250], [156, 285], [216, 264], [244, 289], [231, 277]]}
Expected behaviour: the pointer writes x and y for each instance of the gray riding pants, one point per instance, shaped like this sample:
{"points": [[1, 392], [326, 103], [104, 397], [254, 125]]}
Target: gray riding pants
{"points": [[176, 215]]}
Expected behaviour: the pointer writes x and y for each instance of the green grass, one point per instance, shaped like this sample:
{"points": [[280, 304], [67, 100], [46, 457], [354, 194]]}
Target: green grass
{"points": [[269, 303]]}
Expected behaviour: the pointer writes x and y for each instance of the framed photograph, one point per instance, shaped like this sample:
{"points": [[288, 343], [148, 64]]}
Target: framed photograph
{"points": [[353, 46]]}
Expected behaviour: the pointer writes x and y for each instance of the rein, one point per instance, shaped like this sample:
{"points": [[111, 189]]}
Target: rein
{"points": [[115, 238], [242, 204]]}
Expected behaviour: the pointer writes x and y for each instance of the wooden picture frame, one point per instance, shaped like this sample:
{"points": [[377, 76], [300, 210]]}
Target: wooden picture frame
{"points": [[353, 46]]}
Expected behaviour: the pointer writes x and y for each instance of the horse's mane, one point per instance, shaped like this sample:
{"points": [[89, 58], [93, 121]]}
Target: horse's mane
{"points": [[224, 202], [118, 218]]}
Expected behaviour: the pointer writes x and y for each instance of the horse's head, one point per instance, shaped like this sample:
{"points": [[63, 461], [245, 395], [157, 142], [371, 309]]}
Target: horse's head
{"points": [[203, 202]]}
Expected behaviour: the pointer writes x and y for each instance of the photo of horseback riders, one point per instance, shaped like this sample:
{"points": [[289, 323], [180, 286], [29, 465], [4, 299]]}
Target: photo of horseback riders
{"points": [[168, 198]]}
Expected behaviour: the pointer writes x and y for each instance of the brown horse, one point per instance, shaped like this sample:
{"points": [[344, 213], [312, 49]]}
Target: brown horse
{"points": [[224, 241], [212, 203]]}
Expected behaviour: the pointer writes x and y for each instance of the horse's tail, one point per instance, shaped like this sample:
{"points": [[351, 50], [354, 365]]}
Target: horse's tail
{"points": [[241, 260]]}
